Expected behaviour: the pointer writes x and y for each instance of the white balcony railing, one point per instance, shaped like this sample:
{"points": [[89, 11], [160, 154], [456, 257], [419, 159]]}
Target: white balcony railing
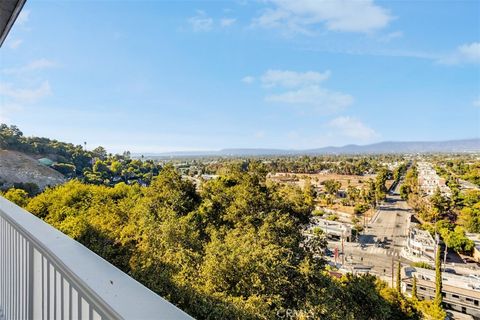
{"points": [[46, 275]]}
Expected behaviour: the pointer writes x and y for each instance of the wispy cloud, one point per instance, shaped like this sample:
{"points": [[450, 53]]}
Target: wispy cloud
{"points": [[396, 53], [291, 79], [201, 22], [248, 79], [34, 65], [316, 97], [14, 43], [476, 102], [227, 22], [303, 90], [22, 95], [303, 16], [23, 17], [391, 36], [352, 128], [466, 53]]}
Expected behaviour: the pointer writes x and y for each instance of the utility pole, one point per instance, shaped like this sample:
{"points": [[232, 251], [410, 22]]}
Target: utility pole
{"points": [[393, 253]]}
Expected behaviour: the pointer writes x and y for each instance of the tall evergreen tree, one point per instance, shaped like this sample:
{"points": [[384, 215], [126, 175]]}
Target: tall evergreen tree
{"points": [[414, 288], [438, 278]]}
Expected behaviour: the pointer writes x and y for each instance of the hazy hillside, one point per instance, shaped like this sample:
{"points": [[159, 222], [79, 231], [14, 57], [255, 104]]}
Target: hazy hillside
{"points": [[17, 167], [451, 146]]}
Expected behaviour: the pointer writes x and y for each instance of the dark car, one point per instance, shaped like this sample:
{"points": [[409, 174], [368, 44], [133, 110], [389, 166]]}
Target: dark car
{"points": [[450, 270], [328, 252]]}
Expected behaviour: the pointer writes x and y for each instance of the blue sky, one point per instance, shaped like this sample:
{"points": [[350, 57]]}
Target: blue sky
{"points": [[160, 76]]}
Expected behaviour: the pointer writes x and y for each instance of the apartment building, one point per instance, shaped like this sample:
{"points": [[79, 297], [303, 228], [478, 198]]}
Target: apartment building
{"points": [[420, 244], [460, 293]]}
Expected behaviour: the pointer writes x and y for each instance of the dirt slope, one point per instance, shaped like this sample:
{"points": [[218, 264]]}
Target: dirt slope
{"points": [[18, 167]]}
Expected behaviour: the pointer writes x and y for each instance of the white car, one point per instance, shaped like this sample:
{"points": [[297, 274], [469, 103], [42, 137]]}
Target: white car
{"points": [[474, 276]]}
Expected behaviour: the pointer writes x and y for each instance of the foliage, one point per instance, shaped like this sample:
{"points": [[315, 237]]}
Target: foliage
{"points": [[332, 186], [360, 208], [17, 196], [233, 250], [73, 161], [332, 217], [380, 187], [430, 310], [414, 288], [438, 278], [421, 264], [318, 213], [469, 216], [31, 188]]}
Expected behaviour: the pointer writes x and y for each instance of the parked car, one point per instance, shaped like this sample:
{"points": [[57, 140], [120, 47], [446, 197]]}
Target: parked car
{"points": [[450, 270], [474, 276]]}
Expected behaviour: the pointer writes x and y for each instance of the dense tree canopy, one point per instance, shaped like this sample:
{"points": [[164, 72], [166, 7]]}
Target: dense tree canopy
{"points": [[232, 250]]}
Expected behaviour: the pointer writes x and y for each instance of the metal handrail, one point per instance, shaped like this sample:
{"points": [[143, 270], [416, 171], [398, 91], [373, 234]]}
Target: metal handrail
{"points": [[46, 275]]}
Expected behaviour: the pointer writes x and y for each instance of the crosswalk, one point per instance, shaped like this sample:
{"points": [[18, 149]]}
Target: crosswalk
{"points": [[379, 251]]}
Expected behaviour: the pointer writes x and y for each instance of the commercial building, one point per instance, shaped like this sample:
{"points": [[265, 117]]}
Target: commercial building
{"points": [[460, 293], [331, 228], [430, 181], [420, 244]]}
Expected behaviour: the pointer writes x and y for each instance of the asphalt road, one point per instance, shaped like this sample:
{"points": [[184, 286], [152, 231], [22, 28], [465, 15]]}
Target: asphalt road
{"points": [[391, 221]]}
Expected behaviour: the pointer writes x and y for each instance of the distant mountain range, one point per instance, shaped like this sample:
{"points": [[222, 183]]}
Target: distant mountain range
{"points": [[451, 146]]}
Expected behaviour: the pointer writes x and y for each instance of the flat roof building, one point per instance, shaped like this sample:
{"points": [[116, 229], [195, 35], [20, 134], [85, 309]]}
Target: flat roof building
{"points": [[420, 244], [331, 228], [460, 293]]}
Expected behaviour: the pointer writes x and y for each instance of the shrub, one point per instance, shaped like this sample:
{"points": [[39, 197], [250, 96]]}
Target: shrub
{"points": [[332, 217], [318, 213], [423, 265]]}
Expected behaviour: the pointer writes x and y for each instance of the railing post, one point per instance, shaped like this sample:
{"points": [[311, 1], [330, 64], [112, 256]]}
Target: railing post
{"points": [[31, 264]]}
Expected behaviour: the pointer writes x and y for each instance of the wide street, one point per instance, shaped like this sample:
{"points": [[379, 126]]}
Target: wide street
{"points": [[391, 221]]}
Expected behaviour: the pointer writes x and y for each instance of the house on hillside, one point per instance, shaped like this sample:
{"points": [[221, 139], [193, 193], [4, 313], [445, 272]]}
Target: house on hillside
{"points": [[46, 162]]}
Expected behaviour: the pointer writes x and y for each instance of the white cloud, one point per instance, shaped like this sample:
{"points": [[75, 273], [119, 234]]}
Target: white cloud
{"points": [[336, 15], [303, 89], [466, 53], [14, 44], [25, 95], [390, 36], [291, 79], [476, 102], [227, 22], [34, 65], [471, 52], [316, 97], [201, 22], [352, 128], [23, 17], [248, 79]]}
